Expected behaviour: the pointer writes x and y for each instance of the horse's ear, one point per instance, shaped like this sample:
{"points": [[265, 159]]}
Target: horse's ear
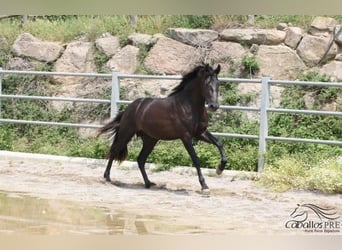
{"points": [[207, 67], [218, 69]]}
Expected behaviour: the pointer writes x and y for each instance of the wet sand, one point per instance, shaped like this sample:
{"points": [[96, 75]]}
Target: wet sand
{"points": [[42, 194]]}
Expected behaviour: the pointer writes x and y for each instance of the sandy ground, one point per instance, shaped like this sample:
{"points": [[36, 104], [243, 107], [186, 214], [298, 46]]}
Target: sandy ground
{"points": [[175, 206]]}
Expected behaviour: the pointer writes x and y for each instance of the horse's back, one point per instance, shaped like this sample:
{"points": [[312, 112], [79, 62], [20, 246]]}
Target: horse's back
{"points": [[155, 117]]}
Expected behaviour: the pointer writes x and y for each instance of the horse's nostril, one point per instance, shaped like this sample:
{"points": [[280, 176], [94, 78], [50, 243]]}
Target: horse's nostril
{"points": [[213, 106]]}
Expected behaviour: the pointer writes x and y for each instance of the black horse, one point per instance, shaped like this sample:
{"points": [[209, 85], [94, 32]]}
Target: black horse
{"points": [[182, 115]]}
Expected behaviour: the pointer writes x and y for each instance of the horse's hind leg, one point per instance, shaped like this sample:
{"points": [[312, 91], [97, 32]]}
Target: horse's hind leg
{"points": [[106, 174], [148, 145], [118, 150], [111, 155]]}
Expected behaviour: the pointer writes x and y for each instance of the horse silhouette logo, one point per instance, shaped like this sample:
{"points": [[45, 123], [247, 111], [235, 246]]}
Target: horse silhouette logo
{"points": [[310, 216]]}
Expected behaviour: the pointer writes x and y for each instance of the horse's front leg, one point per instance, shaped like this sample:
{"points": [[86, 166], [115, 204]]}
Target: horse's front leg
{"points": [[189, 147], [208, 137]]}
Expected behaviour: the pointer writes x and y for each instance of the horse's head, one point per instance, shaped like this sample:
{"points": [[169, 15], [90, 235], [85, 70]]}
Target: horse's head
{"points": [[300, 213], [209, 85]]}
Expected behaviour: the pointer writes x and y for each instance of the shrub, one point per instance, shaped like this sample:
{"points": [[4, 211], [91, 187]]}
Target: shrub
{"points": [[290, 173], [6, 137], [250, 65], [194, 21], [284, 174]]}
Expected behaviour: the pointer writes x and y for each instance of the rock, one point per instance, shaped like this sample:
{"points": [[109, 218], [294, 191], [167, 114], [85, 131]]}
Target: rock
{"points": [[228, 54], [250, 36], [282, 26], [338, 57], [171, 57], [293, 36], [125, 61], [309, 100], [254, 90], [158, 36], [138, 39], [332, 69], [322, 26], [108, 44], [254, 48], [77, 57], [18, 63], [194, 37], [148, 87], [30, 46], [311, 49], [338, 34], [332, 106], [279, 62]]}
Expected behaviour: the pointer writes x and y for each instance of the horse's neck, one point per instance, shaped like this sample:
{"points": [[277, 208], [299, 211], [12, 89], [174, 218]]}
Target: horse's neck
{"points": [[192, 96]]}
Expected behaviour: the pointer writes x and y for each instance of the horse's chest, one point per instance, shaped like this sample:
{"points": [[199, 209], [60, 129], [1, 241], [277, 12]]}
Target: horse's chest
{"points": [[195, 122]]}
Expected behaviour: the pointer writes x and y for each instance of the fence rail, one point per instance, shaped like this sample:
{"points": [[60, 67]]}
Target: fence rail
{"points": [[115, 100]]}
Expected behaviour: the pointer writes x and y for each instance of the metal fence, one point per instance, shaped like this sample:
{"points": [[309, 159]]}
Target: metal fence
{"points": [[264, 109]]}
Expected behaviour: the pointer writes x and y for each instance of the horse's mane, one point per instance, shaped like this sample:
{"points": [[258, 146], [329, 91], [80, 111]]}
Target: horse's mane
{"points": [[322, 212], [187, 78]]}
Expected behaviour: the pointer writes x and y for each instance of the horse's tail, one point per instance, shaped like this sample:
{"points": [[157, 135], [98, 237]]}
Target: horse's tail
{"points": [[112, 126], [118, 150]]}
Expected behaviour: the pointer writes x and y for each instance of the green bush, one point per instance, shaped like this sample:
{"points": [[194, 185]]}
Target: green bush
{"points": [[250, 65], [4, 56], [89, 147], [290, 173], [306, 126], [194, 21], [6, 137], [100, 60]]}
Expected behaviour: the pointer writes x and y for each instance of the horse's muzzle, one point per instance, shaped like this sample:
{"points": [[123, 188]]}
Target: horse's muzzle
{"points": [[213, 106]]}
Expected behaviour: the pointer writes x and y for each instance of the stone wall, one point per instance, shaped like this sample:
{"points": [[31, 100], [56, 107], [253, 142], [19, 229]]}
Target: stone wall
{"points": [[284, 52]]}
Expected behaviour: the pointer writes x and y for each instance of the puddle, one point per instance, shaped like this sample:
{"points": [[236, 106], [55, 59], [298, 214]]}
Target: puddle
{"points": [[21, 213]]}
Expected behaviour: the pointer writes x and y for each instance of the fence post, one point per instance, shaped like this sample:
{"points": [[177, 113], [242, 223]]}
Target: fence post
{"points": [[263, 131], [115, 96]]}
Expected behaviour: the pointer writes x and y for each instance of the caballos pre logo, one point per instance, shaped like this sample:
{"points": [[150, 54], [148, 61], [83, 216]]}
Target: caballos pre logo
{"points": [[314, 219]]}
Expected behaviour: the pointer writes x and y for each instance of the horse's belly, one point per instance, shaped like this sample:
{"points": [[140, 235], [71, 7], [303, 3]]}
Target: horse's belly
{"points": [[160, 130]]}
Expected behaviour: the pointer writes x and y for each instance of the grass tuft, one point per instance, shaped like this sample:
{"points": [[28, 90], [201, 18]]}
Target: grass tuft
{"points": [[289, 173]]}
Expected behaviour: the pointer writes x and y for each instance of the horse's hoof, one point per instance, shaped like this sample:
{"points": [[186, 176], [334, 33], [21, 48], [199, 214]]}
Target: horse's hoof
{"points": [[150, 184], [206, 191], [218, 171]]}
